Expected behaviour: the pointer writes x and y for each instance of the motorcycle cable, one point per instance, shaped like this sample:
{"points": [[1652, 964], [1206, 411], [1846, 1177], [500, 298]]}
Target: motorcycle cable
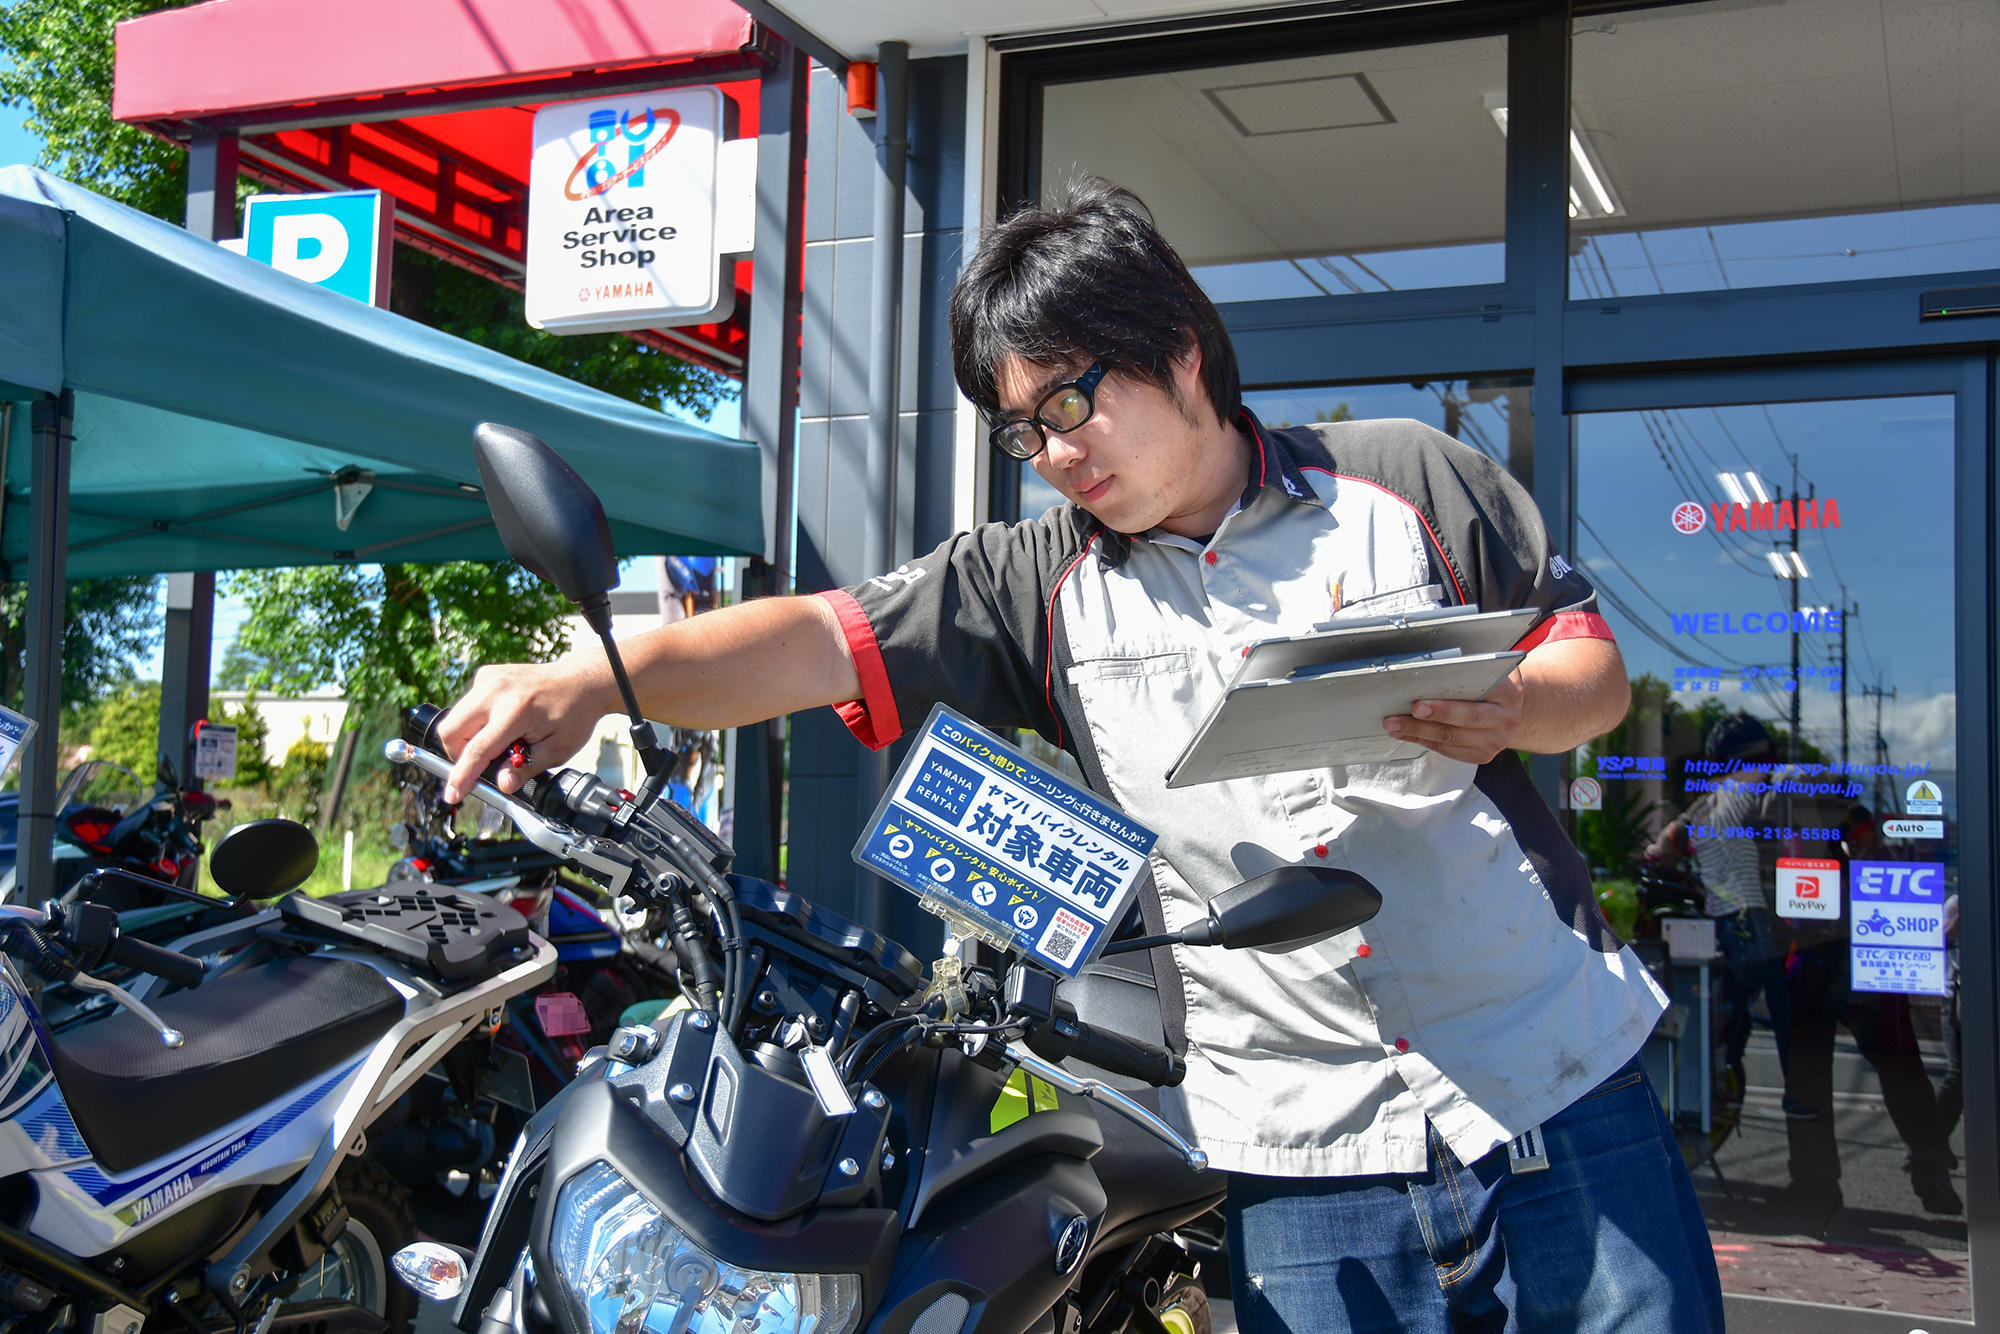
{"points": [[861, 1050], [927, 1032], [697, 872]]}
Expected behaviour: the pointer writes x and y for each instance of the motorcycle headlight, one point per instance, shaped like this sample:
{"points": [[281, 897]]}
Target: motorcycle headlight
{"points": [[633, 1272]]}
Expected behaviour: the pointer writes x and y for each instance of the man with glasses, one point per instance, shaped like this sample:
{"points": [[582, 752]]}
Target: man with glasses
{"points": [[1433, 1120]]}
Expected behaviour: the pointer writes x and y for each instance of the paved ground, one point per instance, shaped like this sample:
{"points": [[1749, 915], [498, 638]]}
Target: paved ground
{"points": [[1878, 1250]]}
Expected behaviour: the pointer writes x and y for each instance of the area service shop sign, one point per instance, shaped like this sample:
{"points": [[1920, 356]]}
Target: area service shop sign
{"points": [[1005, 848], [622, 213]]}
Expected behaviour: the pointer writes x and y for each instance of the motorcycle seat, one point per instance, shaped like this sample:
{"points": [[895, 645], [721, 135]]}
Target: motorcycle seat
{"points": [[250, 1036]]}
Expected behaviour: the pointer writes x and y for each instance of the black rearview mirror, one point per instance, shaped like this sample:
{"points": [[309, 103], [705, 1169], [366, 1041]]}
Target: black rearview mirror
{"points": [[549, 519], [1288, 909], [263, 859]]}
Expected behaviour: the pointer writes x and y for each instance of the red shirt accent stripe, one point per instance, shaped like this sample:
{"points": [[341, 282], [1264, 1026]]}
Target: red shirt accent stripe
{"points": [[872, 718], [1567, 625]]}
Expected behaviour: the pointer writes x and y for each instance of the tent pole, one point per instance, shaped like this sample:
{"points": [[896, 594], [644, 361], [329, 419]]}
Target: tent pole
{"points": [[42, 641], [755, 773], [190, 629]]}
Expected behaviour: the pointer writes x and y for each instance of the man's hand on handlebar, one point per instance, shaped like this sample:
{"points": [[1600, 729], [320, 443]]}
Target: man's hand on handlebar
{"points": [[536, 714]]}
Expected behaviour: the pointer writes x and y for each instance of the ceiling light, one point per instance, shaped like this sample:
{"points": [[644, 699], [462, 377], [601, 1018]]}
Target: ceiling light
{"points": [[1590, 192], [1756, 485], [1733, 488], [1799, 565], [1600, 203], [1778, 565]]}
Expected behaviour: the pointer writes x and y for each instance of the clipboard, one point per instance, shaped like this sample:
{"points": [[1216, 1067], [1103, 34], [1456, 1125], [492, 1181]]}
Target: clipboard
{"points": [[1381, 638], [1318, 700]]}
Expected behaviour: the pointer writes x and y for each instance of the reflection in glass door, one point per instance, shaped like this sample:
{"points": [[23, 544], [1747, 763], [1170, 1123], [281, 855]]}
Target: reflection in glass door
{"points": [[1775, 824]]}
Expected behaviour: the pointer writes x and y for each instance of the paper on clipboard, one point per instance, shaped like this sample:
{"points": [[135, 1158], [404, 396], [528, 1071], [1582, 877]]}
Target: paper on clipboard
{"points": [[1381, 638], [1318, 700]]}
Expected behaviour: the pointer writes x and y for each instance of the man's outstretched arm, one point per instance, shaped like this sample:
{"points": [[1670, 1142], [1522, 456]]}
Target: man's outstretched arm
{"points": [[724, 668]]}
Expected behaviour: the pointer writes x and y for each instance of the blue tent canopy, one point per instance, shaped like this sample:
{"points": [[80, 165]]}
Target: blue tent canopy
{"points": [[229, 416]]}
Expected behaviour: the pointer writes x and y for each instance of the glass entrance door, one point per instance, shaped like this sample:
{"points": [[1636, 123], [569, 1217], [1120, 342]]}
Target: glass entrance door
{"points": [[1777, 822]]}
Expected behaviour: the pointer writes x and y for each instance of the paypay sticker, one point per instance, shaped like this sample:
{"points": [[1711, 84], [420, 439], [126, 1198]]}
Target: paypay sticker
{"points": [[1897, 935], [1809, 887], [990, 838]]}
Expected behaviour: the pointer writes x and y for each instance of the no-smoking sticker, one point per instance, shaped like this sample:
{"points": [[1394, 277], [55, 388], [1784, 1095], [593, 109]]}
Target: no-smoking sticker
{"points": [[1586, 794]]}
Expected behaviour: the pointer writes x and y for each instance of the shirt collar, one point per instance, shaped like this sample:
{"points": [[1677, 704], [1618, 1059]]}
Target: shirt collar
{"points": [[1272, 465]]}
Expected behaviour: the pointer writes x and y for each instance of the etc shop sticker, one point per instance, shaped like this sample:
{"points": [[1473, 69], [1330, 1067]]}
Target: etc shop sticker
{"points": [[1809, 888]]}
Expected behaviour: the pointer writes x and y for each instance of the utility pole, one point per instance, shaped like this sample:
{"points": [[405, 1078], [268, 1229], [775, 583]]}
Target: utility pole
{"points": [[1794, 578], [1881, 746], [1847, 608]]}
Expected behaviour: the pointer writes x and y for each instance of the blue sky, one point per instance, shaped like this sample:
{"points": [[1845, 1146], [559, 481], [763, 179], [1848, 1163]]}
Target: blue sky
{"points": [[16, 144]]}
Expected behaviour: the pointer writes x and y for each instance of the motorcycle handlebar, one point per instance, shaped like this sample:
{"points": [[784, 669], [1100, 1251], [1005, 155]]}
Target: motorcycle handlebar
{"points": [[420, 723], [175, 967], [1122, 1055]]}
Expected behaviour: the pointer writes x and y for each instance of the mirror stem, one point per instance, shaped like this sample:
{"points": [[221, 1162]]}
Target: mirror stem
{"points": [[1142, 943], [597, 613]]}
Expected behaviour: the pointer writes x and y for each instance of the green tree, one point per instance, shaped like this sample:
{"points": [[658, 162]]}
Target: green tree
{"points": [[394, 635], [61, 53], [299, 781], [107, 623], [253, 769], [124, 727]]}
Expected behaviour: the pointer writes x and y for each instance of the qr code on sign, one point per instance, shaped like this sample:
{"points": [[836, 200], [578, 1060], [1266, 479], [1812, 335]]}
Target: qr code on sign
{"points": [[1066, 932]]}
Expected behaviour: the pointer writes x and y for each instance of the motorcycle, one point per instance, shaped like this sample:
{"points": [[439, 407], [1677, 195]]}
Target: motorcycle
{"points": [[191, 1158], [827, 1140], [106, 818]]}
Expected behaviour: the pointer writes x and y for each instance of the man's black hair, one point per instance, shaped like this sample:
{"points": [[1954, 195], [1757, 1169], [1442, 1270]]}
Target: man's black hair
{"points": [[1086, 277]]}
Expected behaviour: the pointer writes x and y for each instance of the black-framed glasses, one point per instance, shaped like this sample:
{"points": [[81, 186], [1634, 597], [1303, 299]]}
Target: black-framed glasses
{"points": [[1062, 410]]}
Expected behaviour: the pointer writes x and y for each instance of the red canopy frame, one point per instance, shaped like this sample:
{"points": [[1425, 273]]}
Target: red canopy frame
{"points": [[432, 101]]}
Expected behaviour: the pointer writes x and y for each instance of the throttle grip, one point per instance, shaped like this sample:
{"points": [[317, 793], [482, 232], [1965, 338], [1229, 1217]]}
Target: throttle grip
{"points": [[420, 728], [1125, 1056], [173, 966]]}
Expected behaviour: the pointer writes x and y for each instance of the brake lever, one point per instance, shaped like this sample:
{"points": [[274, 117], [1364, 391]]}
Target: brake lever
{"points": [[33, 918], [170, 1036], [599, 855], [1097, 1091]]}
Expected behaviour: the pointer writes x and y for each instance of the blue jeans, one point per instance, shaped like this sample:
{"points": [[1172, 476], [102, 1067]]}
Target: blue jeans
{"points": [[1608, 1237]]}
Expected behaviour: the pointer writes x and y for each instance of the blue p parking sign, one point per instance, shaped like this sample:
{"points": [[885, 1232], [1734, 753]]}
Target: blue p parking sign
{"points": [[336, 241]]}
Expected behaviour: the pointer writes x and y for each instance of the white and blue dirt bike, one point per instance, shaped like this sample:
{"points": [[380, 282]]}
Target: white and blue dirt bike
{"points": [[188, 1158]]}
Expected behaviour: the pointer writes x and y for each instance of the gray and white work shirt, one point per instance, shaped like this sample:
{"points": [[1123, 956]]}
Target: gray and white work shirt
{"points": [[1487, 994]]}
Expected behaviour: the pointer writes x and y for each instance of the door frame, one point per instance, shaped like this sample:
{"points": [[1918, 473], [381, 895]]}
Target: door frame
{"points": [[1970, 379]]}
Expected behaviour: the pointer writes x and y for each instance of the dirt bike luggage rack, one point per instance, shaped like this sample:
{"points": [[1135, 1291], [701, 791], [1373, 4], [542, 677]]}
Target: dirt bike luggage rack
{"points": [[458, 937]]}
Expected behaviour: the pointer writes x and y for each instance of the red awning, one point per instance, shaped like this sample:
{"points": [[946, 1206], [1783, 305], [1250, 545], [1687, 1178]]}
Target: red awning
{"points": [[430, 100]]}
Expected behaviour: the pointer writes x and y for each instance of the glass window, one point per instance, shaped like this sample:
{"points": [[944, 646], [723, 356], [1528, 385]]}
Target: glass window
{"points": [[1755, 145], [1776, 823], [1492, 416], [1364, 171]]}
